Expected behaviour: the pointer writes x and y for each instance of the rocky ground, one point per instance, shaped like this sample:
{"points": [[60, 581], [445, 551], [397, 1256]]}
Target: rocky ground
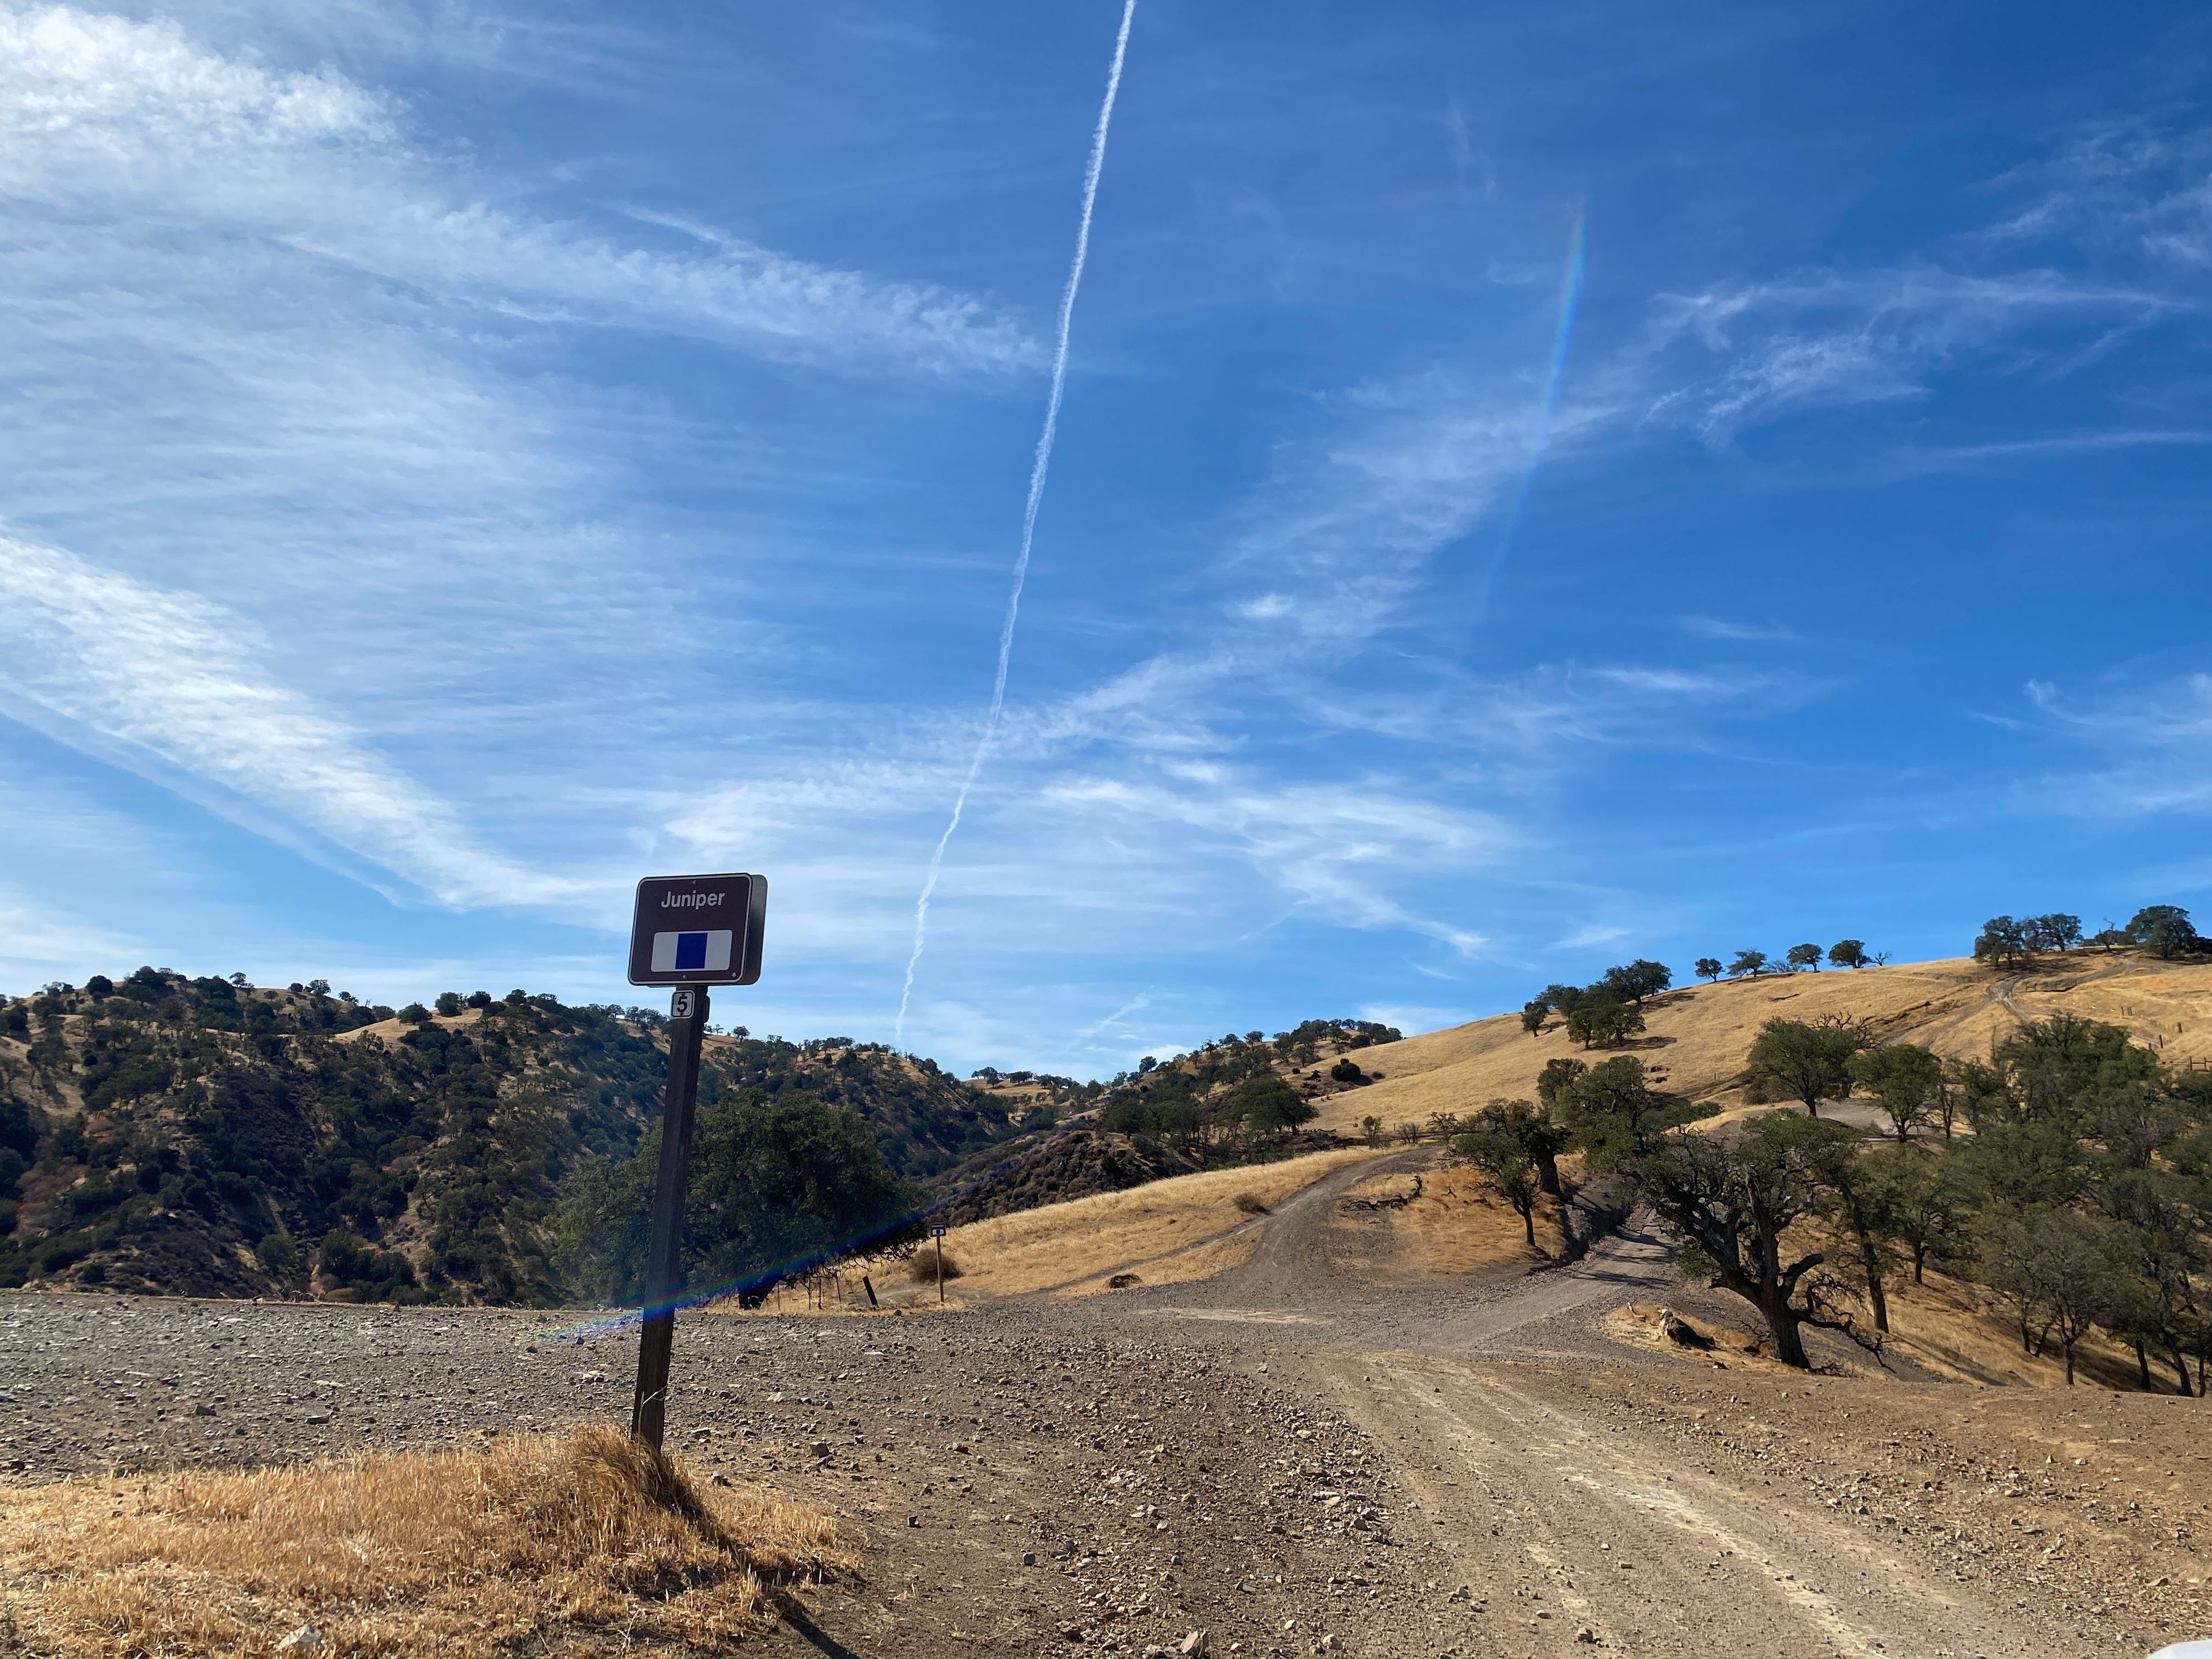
{"points": [[1284, 1460]]}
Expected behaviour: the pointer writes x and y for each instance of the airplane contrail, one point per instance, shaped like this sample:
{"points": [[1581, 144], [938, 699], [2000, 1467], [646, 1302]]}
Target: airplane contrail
{"points": [[1037, 470]]}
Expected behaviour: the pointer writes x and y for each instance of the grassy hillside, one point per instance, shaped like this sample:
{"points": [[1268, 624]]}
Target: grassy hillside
{"points": [[201, 1136], [1697, 1036]]}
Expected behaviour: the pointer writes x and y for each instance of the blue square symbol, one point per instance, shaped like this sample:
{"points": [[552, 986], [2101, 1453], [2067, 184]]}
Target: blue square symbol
{"points": [[690, 951]]}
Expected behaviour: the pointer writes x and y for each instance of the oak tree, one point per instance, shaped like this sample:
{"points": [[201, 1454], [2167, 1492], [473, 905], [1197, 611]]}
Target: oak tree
{"points": [[1904, 1079], [1811, 1063]]}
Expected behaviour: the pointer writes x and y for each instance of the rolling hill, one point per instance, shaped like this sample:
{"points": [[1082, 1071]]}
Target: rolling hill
{"points": [[1698, 1036], [200, 1136]]}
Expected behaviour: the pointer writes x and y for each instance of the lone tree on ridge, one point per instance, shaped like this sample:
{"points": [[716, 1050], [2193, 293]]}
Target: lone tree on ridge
{"points": [[1638, 979], [2165, 930]]}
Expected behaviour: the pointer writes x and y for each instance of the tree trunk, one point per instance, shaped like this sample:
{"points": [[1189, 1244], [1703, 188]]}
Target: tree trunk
{"points": [[1812, 1107], [1547, 1174], [2181, 1368], [1528, 1224], [1871, 1258], [2143, 1364], [2069, 1342], [1919, 1261], [1782, 1325]]}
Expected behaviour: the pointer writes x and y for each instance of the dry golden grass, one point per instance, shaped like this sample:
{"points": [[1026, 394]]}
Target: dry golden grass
{"points": [[540, 1540], [1456, 1225], [1953, 1329], [927, 1266], [1073, 1248], [1963, 1332], [1698, 1037], [389, 1031]]}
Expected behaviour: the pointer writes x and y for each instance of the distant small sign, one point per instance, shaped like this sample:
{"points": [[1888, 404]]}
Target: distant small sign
{"points": [[937, 1232], [698, 930]]}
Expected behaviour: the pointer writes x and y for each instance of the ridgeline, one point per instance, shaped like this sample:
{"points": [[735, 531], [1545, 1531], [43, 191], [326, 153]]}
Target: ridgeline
{"points": [[197, 1136]]}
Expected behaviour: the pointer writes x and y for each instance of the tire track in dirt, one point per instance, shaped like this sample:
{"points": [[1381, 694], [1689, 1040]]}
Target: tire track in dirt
{"points": [[1637, 1551]]}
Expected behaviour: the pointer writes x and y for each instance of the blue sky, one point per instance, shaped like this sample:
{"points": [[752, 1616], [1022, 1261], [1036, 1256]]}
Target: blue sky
{"points": [[1535, 486]]}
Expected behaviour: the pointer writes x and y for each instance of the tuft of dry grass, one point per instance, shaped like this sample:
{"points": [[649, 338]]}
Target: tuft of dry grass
{"points": [[1252, 1203], [539, 1539], [922, 1264]]}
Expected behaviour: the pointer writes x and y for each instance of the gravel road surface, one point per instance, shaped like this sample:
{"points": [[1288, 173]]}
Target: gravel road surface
{"points": [[1286, 1458]]}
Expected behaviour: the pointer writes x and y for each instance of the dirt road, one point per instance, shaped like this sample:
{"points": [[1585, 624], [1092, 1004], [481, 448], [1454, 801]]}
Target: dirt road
{"points": [[1288, 1458]]}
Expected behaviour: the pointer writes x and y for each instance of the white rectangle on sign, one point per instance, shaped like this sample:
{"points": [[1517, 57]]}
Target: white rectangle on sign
{"points": [[692, 953]]}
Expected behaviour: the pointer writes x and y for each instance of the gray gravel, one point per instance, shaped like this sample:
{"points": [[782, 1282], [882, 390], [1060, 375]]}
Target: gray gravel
{"points": [[1284, 1458]]}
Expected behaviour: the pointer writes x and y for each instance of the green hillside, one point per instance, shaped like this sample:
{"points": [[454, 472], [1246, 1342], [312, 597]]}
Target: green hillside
{"points": [[200, 1136]]}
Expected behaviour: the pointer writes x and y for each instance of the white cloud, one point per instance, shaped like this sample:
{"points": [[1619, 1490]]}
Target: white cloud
{"points": [[1679, 682], [2147, 744], [158, 680], [102, 116], [2063, 443], [2127, 187], [1720, 628], [1833, 339], [38, 943], [1346, 528], [1414, 1017], [1593, 935], [1337, 851]]}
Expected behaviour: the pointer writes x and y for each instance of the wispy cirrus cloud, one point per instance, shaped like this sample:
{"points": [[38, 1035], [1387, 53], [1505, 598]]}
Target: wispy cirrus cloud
{"points": [[36, 940], [1343, 532], [2146, 747], [1723, 628], [165, 683], [277, 405], [1829, 339], [2059, 443], [1417, 463], [1091, 838], [136, 124], [2133, 187], [1336, 851]]}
